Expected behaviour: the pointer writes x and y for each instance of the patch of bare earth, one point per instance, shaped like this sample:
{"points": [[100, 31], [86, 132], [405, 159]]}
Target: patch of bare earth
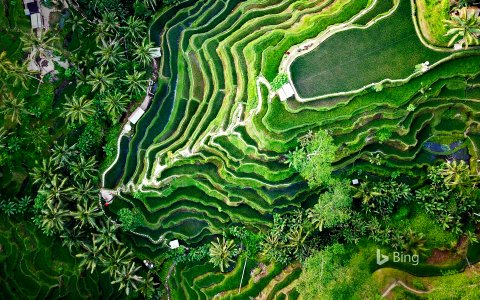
{"points": [[446, 257], [262, 273]]}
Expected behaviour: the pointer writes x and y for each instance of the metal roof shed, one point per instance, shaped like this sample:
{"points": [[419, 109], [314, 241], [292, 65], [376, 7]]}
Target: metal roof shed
{"points": [[36, 20], [136, 115]]}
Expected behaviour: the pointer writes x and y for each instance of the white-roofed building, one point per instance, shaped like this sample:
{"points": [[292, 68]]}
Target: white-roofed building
{"points": [[107, 195], [36, 20], [32, 9], [155, 52], [282, 95], [136, 115], [174, 244], [285, 92]]}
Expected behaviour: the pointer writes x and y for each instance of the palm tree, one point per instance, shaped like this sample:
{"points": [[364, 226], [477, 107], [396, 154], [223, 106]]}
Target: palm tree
{"points": [[134, 28], [84, 168], [115, 258], [91, 257], [144, 52], [100, 79], [85, 214], [84, 191], [110, 53], [296, 240], [271, 242], [20, 75], [13, 108], [455, 174], [107, 236], [316, 215], [127, 278], [54, 217], [147, 289], [8, 207], [415, 243], [464, 27], [77, 109], [110, 22], [24, 204], [115, 103], [366, 193], [136, 83], [56, 189], [106, 28], [221, 253], [39, 44], [76, 22], [43, 173], [101, 33], [6, 66], [72, 238], [62, 154]]}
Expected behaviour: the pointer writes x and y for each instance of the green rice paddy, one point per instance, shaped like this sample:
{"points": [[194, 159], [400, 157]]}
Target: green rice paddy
{"points": [[209, 152], [351, 59]]}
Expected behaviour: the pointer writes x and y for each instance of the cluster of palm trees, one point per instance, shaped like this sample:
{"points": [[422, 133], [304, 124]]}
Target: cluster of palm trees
{"points": [[382, 197], [451, 196], [109, 73], [67, 205], [12, 75], [67, 187], [290, 238], [118, 70]]}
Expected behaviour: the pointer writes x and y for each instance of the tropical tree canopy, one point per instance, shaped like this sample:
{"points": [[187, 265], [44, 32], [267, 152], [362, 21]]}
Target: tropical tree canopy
{"points": [[314, 158], [221, 253], [77, 109], [464, 27], [333, 207]]}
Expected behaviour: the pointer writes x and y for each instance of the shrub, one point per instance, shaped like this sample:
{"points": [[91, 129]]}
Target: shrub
{"points": [[384, 135], [90, 138], [129, 219], [279, 81]]}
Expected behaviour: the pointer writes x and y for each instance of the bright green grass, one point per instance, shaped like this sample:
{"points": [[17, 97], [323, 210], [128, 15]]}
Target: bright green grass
{"points": [[353, 58]]}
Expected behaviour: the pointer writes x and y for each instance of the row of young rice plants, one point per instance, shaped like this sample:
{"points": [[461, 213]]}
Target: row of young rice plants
{"points": [[286, 281]]}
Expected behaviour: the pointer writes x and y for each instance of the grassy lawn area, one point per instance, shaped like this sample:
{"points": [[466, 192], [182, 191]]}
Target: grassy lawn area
{"points": [[353, 58], [431, 16]]}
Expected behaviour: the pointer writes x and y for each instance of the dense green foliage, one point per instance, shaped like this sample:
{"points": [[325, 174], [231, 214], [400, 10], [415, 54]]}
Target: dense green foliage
{"points": [[256, 190], [279, 81], [314, 157]]}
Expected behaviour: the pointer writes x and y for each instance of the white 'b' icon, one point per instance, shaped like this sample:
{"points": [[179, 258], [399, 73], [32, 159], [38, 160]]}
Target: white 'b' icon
{"points": [[381, 259]]}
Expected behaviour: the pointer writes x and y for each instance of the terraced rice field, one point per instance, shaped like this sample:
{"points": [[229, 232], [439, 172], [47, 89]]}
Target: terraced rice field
{"points": [[210, 150], [202, 282]]}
